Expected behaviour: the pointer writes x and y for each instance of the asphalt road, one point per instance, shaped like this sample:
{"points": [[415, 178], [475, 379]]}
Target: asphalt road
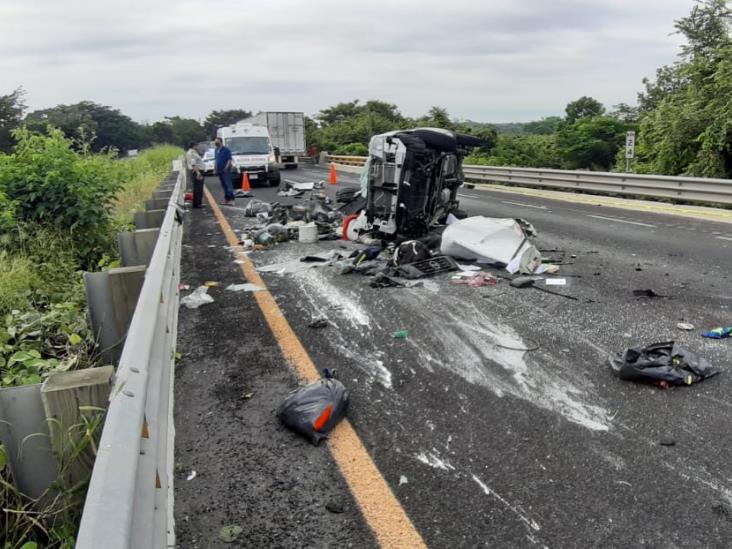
{"points": [[498, 422]]}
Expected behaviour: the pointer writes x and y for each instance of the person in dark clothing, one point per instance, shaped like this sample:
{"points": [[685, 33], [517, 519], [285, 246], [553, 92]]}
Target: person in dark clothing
{"points": [[223, 169], [196, 170]]}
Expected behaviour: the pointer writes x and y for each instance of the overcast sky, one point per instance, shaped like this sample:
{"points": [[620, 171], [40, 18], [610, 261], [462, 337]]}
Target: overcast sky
{"points": [[486, 60]]}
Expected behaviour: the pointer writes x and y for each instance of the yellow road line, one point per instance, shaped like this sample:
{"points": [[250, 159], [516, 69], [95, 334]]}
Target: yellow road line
{"points": [[709, 214], [383, 512]]}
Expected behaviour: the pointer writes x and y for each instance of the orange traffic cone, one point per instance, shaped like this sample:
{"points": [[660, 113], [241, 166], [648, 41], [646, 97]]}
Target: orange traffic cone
{"points": [[245, 183], [333, 180]]}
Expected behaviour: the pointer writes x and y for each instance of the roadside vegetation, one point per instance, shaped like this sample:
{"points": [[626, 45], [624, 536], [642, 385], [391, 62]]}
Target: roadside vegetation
{"points": [[60, 207]]}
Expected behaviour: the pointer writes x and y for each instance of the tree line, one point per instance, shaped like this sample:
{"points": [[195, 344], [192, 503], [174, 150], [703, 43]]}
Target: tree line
{"points": [[106, 128]]}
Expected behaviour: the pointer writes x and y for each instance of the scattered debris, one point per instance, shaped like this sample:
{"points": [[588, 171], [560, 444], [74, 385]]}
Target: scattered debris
{"points": [[191, 475], [229, 534], [400, 334], [211, 284], [319, 323], [244, 288], [647, 293], [315, 409], [719, 333], [198, 297], [665, 361], [685, 326], [247, 396], [182, 286], [476, 279], [255, 207], [403, 480], [411, 251], [334, 507], [427, 267], [667, 442], [556, 281]]}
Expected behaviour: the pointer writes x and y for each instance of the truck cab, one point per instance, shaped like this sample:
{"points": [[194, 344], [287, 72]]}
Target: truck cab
{"points": [[251, 152]]}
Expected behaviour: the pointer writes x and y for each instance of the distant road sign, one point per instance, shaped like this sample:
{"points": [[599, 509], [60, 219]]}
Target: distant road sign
{"points": [[629, 145]]}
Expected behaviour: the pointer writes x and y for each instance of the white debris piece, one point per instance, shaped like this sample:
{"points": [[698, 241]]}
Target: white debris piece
{"points": [[198, 297], [492, 240], [244, 288]]}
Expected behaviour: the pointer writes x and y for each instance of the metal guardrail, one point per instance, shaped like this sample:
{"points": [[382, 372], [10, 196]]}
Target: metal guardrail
{"points": [[347, 160], [129, 503], [692, 189]]}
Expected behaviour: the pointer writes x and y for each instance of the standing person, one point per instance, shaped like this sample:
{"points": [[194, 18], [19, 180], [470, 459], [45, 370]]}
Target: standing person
{"points": [[223, 169], [196, 169]]}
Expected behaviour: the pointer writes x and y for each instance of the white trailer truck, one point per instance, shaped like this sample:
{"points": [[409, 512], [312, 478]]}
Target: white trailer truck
{"points": [[287, 132], [251, 152]]}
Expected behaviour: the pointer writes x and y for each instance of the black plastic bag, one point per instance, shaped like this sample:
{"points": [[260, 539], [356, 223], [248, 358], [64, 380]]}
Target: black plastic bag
{"points": [[315, 409], [664, 361]]}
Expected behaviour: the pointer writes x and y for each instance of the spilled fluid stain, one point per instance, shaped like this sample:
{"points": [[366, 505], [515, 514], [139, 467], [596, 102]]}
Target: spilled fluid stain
{"points": [[486, 352], [350, 339]]}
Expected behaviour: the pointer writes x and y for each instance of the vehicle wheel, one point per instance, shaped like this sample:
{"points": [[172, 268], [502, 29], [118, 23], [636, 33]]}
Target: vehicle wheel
{"points": [[275, 182]]}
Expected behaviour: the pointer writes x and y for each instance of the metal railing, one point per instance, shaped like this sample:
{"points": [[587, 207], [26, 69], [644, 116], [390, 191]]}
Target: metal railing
{"points": [[692, 189], [347, 160], [129, 503]]}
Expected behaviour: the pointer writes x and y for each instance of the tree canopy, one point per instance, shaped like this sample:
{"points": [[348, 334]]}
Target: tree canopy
{"points": [[12, 107]]}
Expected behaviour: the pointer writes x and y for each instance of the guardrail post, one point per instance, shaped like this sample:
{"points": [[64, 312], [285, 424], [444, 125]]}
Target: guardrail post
{"points": [[24, 433], [136, 247], [150, 219], [156, 204], [62, 394], [111, 297]]}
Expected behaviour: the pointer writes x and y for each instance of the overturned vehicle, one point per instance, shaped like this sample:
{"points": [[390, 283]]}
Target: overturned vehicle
{"points": [[408, 185]]}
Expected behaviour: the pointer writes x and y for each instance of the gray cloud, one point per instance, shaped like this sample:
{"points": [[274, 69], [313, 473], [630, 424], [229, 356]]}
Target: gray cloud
{"points": [[486, 60]]}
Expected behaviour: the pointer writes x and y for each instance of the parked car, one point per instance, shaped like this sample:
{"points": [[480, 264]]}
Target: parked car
{"points": [[209, 161]]}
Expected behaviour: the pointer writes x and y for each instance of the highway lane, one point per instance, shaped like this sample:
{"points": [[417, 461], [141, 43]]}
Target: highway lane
{"points": [[498, 422]]}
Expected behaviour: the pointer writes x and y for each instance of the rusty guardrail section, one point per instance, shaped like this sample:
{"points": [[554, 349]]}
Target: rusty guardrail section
{"points": [[692, 189]]}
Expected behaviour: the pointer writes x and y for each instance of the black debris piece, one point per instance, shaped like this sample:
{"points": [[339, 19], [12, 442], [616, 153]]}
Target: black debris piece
{"points": [[319, 323], [382, 280], [667, 442], [428, 267], [315, 409], [334, 507], [662, 362], [647, 293], [313, 259]]}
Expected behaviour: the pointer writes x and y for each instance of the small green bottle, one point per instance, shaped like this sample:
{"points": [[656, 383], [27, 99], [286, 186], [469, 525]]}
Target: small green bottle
{"points": [[401, 334]]}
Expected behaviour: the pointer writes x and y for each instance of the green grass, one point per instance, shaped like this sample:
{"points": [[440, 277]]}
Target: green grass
{"points": [[143, 175]]}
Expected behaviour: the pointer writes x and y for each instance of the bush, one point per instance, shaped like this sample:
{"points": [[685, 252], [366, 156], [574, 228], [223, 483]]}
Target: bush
{"points": [[353, 149], [59, 189]]}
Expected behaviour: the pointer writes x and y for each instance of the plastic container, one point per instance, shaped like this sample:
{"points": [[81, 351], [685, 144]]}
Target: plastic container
{"points": [[308, 233]]}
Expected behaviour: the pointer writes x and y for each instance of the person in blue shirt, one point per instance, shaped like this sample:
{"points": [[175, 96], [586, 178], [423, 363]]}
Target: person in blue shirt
{"points": [[223, 169]]}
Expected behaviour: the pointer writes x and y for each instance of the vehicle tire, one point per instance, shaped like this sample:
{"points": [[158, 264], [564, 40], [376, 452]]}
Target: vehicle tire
{"points": [[460, 214], [437, 140]]}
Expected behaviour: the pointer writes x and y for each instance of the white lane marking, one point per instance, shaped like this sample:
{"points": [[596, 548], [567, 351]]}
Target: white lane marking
{"points": [[622, 221], [469, 196], [724, 238], [524, 205]]}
